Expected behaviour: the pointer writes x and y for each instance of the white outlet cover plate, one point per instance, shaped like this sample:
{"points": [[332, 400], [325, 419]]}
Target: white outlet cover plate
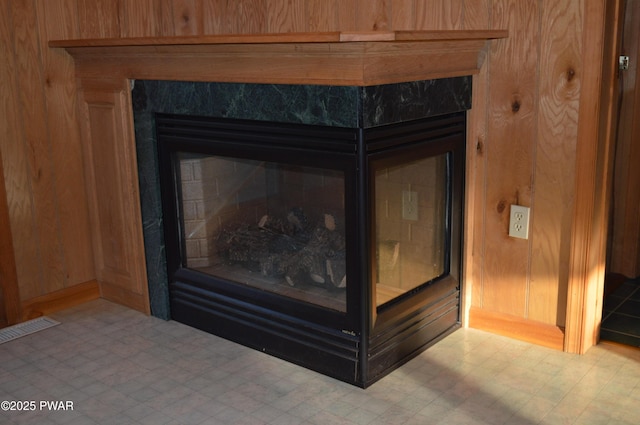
{"points": [[519, 222]]}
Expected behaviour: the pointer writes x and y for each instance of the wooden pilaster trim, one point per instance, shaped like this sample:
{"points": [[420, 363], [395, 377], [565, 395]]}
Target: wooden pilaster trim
{"points": [[593, 169]]}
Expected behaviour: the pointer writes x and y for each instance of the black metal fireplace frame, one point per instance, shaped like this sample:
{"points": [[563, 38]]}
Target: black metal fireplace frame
{"points": [[364, 343]]}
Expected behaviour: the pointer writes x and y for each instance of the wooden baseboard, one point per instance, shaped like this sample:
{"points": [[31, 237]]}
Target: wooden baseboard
{"points": [[118, 295], [60, 300], [517, 328]]}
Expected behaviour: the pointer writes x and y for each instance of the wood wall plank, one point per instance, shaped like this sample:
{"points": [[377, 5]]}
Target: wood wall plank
{"points": [[16, 178], [216, 18], [287, 16], [557, 130], [171, 23], [403, 15], [373, 15], [140, 18], [439, 15], [56, 20], [249, 16], [477, 14], [509, 149], [98, 18], [323, 15], [40, 167], [347, 14], [187, 17]]}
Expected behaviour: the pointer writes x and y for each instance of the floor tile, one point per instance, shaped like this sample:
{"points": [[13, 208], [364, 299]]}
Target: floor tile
{"points": [[630, 308], [621, 315], [622, 323], [121, 367]]}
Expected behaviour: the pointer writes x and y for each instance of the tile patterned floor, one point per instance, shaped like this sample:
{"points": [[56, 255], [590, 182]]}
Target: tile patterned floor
{"points": [[621, 318], [120, 367]]}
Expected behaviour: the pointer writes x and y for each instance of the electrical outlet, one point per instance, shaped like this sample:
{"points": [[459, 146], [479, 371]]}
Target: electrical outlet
{"points": [[409, 205], [519, 222]]}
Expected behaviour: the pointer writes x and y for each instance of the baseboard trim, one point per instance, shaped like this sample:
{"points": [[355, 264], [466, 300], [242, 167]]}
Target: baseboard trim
{"points": [[60, 300], [119, 295], [517, 328]]}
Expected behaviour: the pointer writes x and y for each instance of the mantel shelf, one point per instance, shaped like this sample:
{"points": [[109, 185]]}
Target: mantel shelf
{"points": [[316, 37], [328, 58]]}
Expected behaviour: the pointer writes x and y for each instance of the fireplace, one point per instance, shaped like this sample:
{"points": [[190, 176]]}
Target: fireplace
{"points": [[399, 98], [318, 224]]}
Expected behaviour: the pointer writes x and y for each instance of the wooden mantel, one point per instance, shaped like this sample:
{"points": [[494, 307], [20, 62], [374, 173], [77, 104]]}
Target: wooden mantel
{"points": [[329, 58]]}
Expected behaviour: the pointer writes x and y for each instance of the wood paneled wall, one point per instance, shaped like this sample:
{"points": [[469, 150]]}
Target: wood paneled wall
{"points": [[523, 129], [41, 151]]}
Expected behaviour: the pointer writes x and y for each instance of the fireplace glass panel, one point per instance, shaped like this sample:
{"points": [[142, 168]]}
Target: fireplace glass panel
{"points": [[410, 226], [272, 226]]}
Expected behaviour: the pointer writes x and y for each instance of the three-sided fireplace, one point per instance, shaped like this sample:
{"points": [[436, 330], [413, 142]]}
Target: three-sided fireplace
{"points": [[336, 247]]}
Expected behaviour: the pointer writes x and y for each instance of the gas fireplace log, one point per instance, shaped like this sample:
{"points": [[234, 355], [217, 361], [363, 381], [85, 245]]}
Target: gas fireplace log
{"points": [[288, 248]]}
